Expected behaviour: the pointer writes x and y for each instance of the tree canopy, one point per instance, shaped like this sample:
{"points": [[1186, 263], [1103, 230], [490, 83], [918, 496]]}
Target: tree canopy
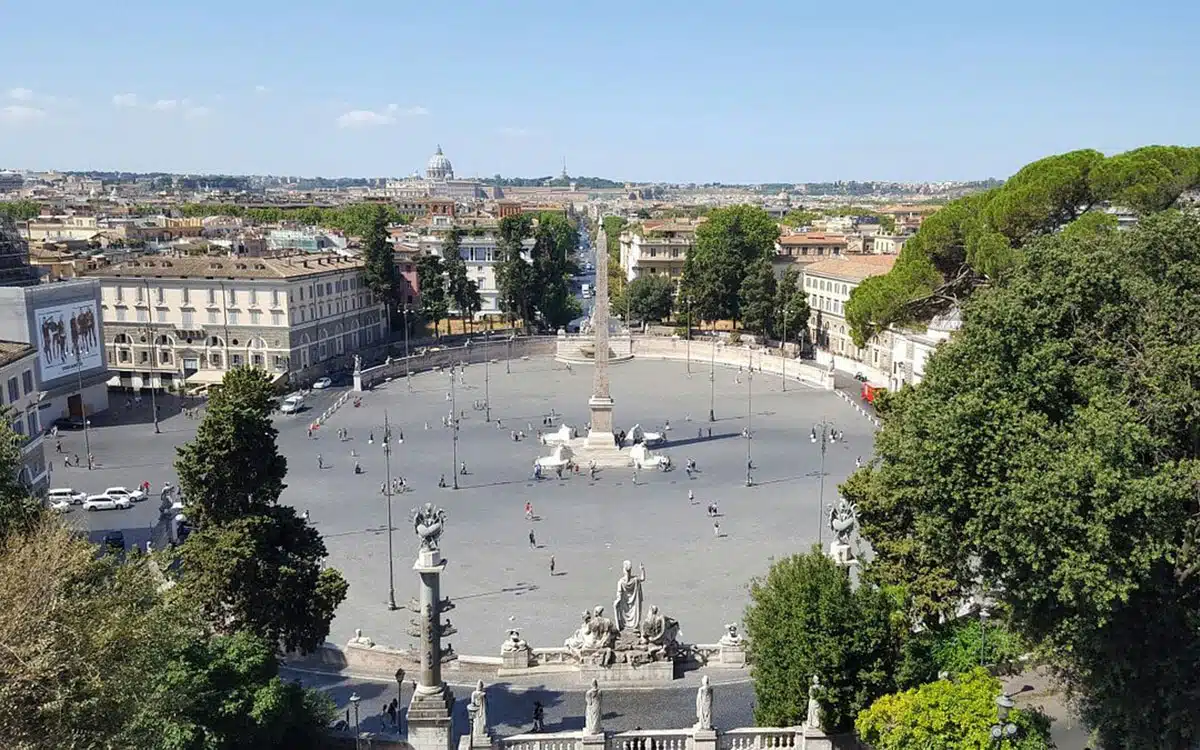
{"points": [[379, 259], [514, 274], [431, 280], [792, 304], [650, 297], [726, 245], [461, 289], [974, 241], [756, 297], [1050, 456]]}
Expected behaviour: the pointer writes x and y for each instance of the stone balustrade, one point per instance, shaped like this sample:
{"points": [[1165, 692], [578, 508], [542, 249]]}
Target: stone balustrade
{"points": [[758, 738], [651, 739], [745, 738]]}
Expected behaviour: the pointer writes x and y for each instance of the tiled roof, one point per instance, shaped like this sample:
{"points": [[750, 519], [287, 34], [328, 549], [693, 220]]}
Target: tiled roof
{"points": [[11, 351], [811, 238], [284, 267], [853, 268]]}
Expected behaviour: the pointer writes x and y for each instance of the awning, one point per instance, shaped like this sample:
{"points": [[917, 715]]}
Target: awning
{"points": [[205, 377]]}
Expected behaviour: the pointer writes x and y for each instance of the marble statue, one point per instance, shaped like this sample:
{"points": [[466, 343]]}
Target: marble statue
{"points": [[357, 364], [704, 703], [813, 720], [591, 723], [627, 608], [477, 709], [580, 636], [732, 637], [428, 523], [843, 518], [659, 632], [514, 642], [602, 632]]}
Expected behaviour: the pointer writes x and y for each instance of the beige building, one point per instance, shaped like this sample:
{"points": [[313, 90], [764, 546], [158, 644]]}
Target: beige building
{"points": [[172, 320], [911, 349], [62, 228], [657, 247], [20, 394], [828, 284], [803, 248]]}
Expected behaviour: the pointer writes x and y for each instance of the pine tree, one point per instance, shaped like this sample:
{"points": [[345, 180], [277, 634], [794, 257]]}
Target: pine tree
{"points": [[757, 297], [379, 270]]}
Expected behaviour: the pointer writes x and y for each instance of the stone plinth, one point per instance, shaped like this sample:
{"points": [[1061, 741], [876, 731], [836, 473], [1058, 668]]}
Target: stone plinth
{"points": [[841, 553], [655, 671], [430, 719], [704, 739], [601, 433], [733, 655], [593, 741], [815, 739]]}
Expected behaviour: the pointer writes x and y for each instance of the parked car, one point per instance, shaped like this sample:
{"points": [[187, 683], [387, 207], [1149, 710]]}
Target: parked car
{"points": [[69, 423], [72, 497], [292, 404], [105, 502], [134, 496], [58, 505], [322, 384]]}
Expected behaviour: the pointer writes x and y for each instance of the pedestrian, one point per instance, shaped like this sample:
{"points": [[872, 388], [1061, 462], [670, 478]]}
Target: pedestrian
{"points": [[463, 469], [310, 432], [149, 547], [371, 438], [58, 445], [528, 511], [320, 461], [357, 468], [858, 462], [539, 717], [552, 565], [699, 432], [691, 497], [304, 515], [717, 529], [442, 481], [592, 471], [532, 540], [91, 460], [635, 475], [76, 461]]}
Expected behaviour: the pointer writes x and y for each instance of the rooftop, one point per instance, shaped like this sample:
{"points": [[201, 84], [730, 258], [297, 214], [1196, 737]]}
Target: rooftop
{"points": [[811, 238], [852, 268], [283, 267], [11, 351]]}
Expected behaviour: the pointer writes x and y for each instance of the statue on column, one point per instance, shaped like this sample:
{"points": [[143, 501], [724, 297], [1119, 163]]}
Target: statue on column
{"points": [[428, 523], [357, 365], [813, 720], [477, 709], [704, 703], [591, 723], [627, 609]]}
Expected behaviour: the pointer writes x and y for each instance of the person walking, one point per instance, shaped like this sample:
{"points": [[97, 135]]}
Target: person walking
{"points": [[528, 511], [532, 540], [691, 498], [551, 565], [320, 461], [717, 529]]}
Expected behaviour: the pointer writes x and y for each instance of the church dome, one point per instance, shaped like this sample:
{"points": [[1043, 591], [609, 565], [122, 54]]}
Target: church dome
{"points": [[439, 167]]}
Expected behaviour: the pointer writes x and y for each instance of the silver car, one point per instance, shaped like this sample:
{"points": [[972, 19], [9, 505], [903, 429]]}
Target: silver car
{"points": [[106, 502]]}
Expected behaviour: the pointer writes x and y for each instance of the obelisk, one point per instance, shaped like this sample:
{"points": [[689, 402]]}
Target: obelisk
{"points": [[601, 404]]}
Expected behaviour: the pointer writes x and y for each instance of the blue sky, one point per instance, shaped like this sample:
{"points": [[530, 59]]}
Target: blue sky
{"points": [[748, 91]]}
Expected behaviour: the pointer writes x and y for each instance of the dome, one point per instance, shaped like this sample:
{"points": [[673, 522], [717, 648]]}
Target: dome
{"points": [[439, 167]]}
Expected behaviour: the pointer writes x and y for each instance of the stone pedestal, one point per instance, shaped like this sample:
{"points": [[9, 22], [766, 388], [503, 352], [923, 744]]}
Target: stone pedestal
{"points": [[358, 382], [430, 719], [841, 553], [733, 655], [651, 672], [704, 739], [600, 436], [814, 739], [593, 741]]}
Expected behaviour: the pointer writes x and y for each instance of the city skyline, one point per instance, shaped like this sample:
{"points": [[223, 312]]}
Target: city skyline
{"points": [[674, 93]]}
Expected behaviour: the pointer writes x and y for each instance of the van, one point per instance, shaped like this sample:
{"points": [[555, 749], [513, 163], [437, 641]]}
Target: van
{"points": [[66, 494], [292, 404]]}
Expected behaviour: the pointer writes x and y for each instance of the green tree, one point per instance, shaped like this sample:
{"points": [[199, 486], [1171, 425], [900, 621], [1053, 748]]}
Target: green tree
{"points": [[757, 297], [379, 260], [800, 218], [792, 305], [806, 619], [251, 564], [463, 292], [1049, 455], [726, 246], [974, 241], [18, 508], [948, 715], [650, 297], [431, 281], [20, 210], [515, 279]]}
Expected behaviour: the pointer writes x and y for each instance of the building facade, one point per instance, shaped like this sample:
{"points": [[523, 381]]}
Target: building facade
{"points": [[184, 321], [657, 247], [479, 249], [63, 323], [827, 284], [802, 248], [20, 394]]}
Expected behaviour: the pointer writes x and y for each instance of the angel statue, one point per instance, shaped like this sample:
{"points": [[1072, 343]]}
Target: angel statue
{"points": [[428, 523], [843, 518]]}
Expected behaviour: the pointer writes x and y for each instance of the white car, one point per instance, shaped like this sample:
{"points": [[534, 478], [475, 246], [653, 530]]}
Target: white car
{"points": [[322, 384], [73, 497], [292, 404], [59, 505], [133, 496], [106, 502]]}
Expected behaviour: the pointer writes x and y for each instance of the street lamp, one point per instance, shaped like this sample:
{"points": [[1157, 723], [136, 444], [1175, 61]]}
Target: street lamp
{"points": [[454, 425], [826, 436], [508, 355], [783, 350], [407, 374], [399, 695], [749, 424], [1003, 729], [712, 381], [387, 491], [153, 355], [487, 401], [354, 701], [687, 302], [87, 440]]}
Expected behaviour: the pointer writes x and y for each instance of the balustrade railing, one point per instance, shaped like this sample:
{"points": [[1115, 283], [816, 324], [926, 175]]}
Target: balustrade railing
{"points": [[758, 738], [651, 739], [553, 741]]}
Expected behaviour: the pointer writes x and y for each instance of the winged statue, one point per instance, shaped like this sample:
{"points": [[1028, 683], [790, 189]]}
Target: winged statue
{"points": [[428, 523]]}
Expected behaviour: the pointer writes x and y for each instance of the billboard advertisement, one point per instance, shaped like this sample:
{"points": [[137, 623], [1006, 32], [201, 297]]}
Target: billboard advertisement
{"points": [[68, 339]]}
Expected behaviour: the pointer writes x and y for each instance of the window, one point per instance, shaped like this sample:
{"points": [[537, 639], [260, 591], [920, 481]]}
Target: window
{"points": [[27, 381], [187, 296], [120, 314], [18, 426], [187, 319], [233, 317], [231, 296], [275, 298], [140, 295], [214, 359], [143, 316], [120, 294], [256, 360], [161, 315], [123, 355], [158, 295], [276, 318], [14, 392], [212, 296], [235, 359], [145, 357], [31, 420], [254, 316], [328, 288], [281, 362], [254, 296]]}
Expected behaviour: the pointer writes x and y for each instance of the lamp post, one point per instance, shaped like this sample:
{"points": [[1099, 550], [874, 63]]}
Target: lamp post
{"points": [[153, 356], [87, 440], [1003, 729], [407, 373], [749, 424], [354, 701], [487, 401], [712, 382], [687, 302], [387, 491], [783, 351], [508, 355], [454, 429], [399, 695], [826, 436]]}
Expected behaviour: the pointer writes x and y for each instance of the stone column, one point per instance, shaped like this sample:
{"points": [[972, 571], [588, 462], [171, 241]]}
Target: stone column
{"points": [[430, 726], [601, 403]]}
